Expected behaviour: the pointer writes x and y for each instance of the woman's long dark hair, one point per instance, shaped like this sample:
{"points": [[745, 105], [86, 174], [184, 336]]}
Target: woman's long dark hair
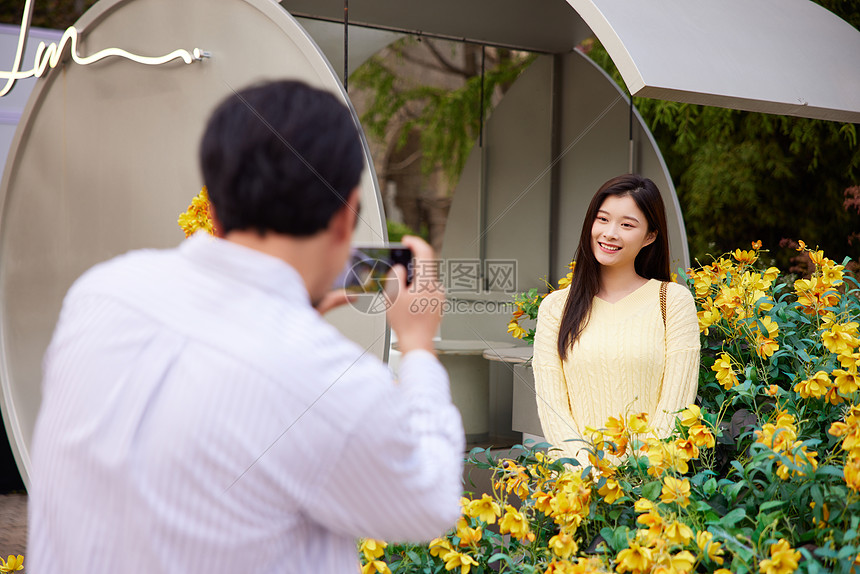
{"points": [[652, 262]]}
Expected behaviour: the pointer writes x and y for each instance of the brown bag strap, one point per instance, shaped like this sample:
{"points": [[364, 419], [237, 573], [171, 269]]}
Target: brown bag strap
{"points": [[663, 287]]}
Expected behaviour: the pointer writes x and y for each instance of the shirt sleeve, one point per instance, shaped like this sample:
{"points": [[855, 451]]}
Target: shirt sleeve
{"points": [[553, 400], [399, 474], [681, 375]]}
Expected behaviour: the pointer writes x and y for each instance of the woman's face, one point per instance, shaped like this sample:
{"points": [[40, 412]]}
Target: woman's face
{"points": [[619, 232]]}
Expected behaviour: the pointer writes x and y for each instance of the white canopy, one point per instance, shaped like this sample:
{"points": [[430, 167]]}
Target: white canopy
{"points": [[789, 57]]}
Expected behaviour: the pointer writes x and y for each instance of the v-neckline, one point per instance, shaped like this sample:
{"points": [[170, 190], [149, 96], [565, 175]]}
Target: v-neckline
{"points": [[632, 293]]}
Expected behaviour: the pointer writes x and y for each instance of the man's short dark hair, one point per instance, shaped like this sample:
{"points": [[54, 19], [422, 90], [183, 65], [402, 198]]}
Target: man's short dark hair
{"points": [[280, 156]]}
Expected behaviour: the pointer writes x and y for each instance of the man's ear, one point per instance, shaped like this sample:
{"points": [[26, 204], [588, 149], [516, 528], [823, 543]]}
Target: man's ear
{"points": [[346, 218]]}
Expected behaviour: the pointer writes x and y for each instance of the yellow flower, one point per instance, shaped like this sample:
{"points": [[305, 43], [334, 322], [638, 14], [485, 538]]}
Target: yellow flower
{"points": [[817, 257], [702, 282], [691, 415], [644, 505], [652, 521], [832, 274], [559, 567], [840, 338], [441, 548], [729, 300], [725, 374], [610, 491], [571, 505], [374, 566], [514, 522], [12, 564], [747, 257], [847, 382], [653, 535], [680, 563], [617, 433], [468, 536], [707, 317], [677, 457], [515, 330], [372, 549], [562, 544], [638, 423], [713, 550], [565, 281], [771, 274], [634, 559], [771, 327], [543, 501], [848, 360], [852, 473], [659, 458], [463, 561], [701, 436], [484, 508], [197, 215], [676, 490], [814, 387], [678, 533], [764, 347], [783, 559], [515, 480]]}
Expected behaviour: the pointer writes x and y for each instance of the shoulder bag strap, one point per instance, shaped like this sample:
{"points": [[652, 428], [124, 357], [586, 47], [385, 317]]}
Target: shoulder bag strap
{"points": [[663, 287]]}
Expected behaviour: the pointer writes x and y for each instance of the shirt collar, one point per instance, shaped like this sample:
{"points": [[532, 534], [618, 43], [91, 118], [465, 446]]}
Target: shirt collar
{"points": [[240, 263]]}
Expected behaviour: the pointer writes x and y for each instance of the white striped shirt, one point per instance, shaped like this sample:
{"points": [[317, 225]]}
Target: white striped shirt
{"points": [[198, 415]]}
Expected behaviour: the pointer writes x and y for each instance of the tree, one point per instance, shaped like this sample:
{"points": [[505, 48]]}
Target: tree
{"points": [[446, 113]]}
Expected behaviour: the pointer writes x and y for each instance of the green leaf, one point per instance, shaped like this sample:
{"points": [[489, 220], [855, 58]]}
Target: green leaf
{"points": [[652, 490], [710, 487], [733, 517], [771, 504]]}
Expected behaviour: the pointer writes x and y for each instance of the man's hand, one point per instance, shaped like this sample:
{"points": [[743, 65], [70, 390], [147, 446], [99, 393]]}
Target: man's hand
{"points": [[416, 310]]}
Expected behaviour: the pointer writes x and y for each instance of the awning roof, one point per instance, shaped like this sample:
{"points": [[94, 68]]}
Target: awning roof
{"points": [[788, 57], [533, 25]]}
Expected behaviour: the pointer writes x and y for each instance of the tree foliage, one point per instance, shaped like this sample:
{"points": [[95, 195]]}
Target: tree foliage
{"points": [[447, 119]]}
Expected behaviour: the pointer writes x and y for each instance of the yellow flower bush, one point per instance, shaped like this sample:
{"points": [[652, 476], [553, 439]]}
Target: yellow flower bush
{"points": [[761, 476], [527, 307]]}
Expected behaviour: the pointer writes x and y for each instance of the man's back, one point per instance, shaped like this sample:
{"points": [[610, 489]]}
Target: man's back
{"points": [[200, 416]]}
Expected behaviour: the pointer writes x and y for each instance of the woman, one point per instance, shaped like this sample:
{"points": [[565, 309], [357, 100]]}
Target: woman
{"points": [[602, 345]]}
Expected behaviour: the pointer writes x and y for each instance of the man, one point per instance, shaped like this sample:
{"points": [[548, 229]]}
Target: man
{"points": [[199, 415]]}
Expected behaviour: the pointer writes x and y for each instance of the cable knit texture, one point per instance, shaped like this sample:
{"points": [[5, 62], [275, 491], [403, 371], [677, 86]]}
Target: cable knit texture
{"points": [[617, 365]]}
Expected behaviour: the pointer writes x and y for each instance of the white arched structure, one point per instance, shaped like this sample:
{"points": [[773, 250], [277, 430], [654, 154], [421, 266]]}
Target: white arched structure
{"points": [[105, 159]]}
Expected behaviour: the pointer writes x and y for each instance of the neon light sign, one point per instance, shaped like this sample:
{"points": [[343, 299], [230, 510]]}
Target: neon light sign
{"points": [[49, 55]]}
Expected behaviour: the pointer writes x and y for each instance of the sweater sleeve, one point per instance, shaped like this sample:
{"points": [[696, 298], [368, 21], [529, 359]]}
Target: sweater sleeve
{"points": [[681, 375], [553, 401]]}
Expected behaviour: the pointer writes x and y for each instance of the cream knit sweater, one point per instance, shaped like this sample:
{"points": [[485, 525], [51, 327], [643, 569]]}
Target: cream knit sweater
{"points": [[617, 365]]}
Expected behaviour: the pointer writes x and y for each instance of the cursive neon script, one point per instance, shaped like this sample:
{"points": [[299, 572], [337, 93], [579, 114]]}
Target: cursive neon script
{"points": [[49, 55]]}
